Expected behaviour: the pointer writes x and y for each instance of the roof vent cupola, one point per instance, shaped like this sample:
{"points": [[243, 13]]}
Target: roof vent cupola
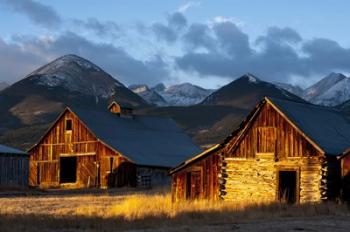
{"points": [[121, 110]]}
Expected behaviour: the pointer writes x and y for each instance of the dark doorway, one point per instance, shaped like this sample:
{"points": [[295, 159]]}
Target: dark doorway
{"points": [[68, 169], [287, 186], [193, 185]]}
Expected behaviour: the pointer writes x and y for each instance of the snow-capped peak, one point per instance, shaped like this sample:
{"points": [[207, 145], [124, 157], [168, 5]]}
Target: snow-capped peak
{"points": [[148, 94], [331, 90], [184, 94], [139, 88], [250, 78], [175, 95], [76, 74]]}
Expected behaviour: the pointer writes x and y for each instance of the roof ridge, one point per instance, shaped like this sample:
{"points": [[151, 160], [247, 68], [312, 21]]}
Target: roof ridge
{"points": [[306, 103]]}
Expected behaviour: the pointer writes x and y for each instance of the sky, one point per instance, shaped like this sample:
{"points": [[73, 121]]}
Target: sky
{"points": [[207, 43]]}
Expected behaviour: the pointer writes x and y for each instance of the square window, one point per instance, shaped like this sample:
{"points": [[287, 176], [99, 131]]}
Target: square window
{"points": [[69, 125]]}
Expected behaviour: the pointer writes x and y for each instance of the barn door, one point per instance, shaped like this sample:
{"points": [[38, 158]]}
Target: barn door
{"points": [[193, 185], [288, 186]]}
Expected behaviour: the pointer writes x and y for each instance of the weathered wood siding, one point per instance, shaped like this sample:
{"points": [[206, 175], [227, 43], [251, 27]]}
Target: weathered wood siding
{"points": [[250, 168], [204, 178], [96, 162], [14, 170]]}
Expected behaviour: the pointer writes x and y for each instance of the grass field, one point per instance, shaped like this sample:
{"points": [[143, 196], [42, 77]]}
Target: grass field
{"points": [[156, 212]]}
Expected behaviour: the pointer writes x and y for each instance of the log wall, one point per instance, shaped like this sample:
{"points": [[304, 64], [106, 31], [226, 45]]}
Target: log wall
{"points": [[256, 180]]}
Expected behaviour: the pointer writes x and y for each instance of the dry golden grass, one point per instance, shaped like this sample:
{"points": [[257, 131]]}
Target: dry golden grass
{"points": [[143, 211]]}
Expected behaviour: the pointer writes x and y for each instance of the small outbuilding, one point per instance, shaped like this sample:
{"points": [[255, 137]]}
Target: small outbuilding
{"points": [[111, 148], [283, 151], [14, 168]]}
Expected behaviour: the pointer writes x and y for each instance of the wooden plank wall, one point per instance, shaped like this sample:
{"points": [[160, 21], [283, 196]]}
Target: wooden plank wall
{"points": [[208, 186], [92, 156], [249, 173], [14, 170]]}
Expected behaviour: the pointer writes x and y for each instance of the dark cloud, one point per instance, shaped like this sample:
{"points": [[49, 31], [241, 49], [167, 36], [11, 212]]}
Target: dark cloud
{"points": [[39, 13], [232, 40], [164, 32], [281, 53], [177, 21], [101, 29], [198, 36], [114, 60], [280, 35], [169, 31]]}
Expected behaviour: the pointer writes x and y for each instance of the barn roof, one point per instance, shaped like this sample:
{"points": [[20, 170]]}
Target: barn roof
{"points": [[326, 126], [145, 140], [9, 150]]}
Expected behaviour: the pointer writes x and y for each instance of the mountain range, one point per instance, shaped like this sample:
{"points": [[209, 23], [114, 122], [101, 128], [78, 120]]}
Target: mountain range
{"points": [[332, 90], [184, 94], [31, 104]]}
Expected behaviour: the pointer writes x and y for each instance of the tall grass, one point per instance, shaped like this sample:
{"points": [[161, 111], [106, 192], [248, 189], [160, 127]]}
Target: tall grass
{"points": [[141, 206], [141, 211]]}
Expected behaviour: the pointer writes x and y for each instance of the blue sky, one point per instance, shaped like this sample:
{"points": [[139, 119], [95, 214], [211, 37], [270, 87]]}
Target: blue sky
{"points": [[208, 43]]}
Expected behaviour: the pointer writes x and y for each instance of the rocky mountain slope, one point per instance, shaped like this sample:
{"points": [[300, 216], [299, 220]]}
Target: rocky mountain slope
{"points": [[150, 95], [245, 92]]}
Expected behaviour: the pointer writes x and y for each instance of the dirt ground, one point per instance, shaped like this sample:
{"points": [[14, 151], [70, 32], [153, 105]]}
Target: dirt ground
{"points": [[327, 224]]}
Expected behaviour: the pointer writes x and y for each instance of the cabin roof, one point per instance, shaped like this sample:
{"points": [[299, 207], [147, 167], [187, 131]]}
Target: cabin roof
{"points": [[145, 140], [195, 158], [9, 150], [327, 127]]}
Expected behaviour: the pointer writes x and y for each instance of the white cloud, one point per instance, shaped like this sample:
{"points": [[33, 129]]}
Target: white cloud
{"points": [[183, 8], [223, 19]]}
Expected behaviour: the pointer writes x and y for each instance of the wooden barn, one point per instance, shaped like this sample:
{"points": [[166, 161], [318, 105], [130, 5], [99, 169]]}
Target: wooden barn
{"points": [[14, 168], [283, 151], [112, 148]]}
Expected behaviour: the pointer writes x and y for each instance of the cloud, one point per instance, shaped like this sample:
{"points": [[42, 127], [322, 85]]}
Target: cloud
{"points": [[183, 8], [169, 31], [223, 19], [115, 60], [281, 53], [101, 29], [219, 48], [198, 36], [37, 12], [16, 61]]}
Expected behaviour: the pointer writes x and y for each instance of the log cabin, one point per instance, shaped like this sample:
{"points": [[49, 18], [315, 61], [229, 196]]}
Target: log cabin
{"points": [[283, 151], [111, 148], [14, 168]]}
